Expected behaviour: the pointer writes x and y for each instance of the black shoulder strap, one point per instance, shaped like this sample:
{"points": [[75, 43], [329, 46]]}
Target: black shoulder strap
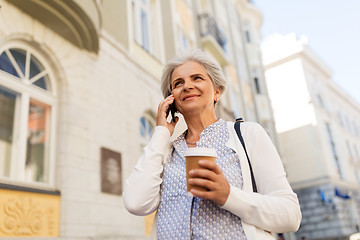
{"points": [[237, 129]]}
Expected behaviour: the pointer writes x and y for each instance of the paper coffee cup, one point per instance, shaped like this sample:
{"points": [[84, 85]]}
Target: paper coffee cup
{"points": [[192, 157]]}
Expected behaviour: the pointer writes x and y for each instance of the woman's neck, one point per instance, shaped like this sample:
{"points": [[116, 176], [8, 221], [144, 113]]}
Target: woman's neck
{"points": [[196, 124]]}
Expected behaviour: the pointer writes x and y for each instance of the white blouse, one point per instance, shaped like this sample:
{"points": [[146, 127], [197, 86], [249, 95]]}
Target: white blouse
{"points": [[275, 208]]}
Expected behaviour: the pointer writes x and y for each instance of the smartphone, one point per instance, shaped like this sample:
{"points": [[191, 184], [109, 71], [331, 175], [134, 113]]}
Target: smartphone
{"points": [[172, 111]]}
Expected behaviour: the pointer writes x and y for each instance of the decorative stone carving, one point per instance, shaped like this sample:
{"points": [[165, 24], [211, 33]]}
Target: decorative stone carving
{"points": [[27, 214], [22, 216]]}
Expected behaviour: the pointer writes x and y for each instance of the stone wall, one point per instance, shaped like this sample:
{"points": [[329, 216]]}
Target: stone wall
{"points": [[328, 218]]}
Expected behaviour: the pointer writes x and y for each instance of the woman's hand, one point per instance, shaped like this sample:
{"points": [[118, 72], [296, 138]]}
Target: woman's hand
{"points": [[211, 178], [163, 112]]}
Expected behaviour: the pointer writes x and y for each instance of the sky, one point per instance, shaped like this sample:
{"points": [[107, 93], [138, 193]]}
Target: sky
{"points": [[332, 28]]}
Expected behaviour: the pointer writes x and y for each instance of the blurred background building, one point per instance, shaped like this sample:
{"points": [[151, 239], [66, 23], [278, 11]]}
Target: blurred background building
{"points": [[319, 134], [79, 90]]}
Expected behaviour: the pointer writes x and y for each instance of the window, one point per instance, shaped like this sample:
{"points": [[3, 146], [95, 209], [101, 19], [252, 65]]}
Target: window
{"points": [[250, 34], [7, 113], [333, 150], [183, 39], [146, 128], [355, 130], [320, 100], [241, 65], [357, 156], [340, 118], [351, 157], [142, 23], [347, 123], [147, 125], [248, 37], [26, 116], [224, 44], [257, 85]]}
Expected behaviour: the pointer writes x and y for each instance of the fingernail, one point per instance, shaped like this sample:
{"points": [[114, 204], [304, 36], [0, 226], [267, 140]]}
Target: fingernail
{"points": [[191, 172]]}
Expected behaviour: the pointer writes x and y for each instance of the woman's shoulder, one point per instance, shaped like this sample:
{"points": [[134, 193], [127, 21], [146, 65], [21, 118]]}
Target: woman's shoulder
{"points": [[250, 131], [246, 126]]}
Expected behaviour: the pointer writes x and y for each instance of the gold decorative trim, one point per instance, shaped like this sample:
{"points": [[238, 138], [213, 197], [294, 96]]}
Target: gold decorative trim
{"points": [[28, 214]]}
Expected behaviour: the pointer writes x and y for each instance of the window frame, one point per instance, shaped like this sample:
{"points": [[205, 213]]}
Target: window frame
{"points": [[26, 91], [140, 7]]}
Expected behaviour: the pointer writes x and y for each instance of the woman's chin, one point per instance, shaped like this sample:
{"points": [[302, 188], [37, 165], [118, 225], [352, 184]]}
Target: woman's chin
{"points": [[191, 110]]}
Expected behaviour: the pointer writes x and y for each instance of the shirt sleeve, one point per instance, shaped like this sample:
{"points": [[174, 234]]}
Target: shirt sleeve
{"points": [[142, 188], [276, 207]]}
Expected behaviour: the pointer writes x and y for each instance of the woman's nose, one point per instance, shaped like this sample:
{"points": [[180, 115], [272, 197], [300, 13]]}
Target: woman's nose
{"points": [[188, 85]]}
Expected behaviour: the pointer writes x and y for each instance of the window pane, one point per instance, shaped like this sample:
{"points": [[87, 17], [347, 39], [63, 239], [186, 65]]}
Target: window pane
{"points": [[6, 65], [38, 142], [7, 113], [35, 67], [20, 58], [144, 31], [142, 126], [146, 129], [248, 38], [42, 83], [257, 85]]}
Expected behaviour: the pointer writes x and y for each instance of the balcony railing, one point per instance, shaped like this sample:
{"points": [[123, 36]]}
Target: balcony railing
{"points": [[208, 26]]}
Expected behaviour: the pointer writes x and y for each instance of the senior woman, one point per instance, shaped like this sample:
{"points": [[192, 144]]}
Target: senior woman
{"points": [[229, 209]]}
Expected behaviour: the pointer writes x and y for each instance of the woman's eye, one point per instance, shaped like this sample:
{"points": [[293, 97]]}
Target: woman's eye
{"points": [[198, 78], [176, 84]]}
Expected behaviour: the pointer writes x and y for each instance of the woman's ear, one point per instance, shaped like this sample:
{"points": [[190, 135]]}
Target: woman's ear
{"points": [[217, 94]]}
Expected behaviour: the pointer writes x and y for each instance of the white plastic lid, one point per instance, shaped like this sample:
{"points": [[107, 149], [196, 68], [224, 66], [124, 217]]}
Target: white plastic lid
{"points": [[200, 151]]}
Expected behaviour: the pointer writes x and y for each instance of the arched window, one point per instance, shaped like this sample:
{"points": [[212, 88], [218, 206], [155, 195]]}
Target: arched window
{"points": [[147, 124], [27, 102]]}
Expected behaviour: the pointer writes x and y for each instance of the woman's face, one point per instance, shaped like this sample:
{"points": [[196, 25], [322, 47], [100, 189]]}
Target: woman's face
{"points": [[192, 88]]}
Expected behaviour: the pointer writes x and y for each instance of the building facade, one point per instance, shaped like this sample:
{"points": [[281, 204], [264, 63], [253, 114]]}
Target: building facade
{"points": [[319, 133], [79, 89]]}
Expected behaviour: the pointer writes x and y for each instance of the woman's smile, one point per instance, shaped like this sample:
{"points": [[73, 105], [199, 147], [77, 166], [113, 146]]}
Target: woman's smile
{"points": [[190, 97]]}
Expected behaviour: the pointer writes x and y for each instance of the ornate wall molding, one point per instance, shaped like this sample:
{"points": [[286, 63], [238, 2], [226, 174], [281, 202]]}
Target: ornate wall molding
{"points": [[29, 214]]}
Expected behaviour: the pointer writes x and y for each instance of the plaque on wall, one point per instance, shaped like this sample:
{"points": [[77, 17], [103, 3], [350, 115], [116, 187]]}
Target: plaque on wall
{"points": [[111, 177]]}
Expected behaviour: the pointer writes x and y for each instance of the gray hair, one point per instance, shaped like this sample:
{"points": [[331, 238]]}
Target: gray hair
{"points": [[212, 68]]}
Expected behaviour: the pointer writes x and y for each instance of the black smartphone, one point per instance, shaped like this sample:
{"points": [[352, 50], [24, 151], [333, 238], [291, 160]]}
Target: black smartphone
{"points": [[172, 111]]}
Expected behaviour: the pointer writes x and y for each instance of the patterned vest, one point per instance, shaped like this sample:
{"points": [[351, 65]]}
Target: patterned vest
{"points": [[183, 217]]}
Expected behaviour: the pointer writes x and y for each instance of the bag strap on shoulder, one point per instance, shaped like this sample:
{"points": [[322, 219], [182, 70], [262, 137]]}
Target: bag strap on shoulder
{"points": [[238, 132]]}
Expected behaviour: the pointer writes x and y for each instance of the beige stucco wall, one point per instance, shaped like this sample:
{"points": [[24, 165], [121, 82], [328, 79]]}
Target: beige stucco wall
{"points": [[100, 101]]}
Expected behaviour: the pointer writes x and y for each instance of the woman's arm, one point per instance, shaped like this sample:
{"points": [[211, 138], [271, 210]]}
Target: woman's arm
{"points": [[276, 207], [142, 187]]}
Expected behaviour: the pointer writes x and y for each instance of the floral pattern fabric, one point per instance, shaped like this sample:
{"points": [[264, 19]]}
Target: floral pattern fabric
{"points": [[182, 217]]}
